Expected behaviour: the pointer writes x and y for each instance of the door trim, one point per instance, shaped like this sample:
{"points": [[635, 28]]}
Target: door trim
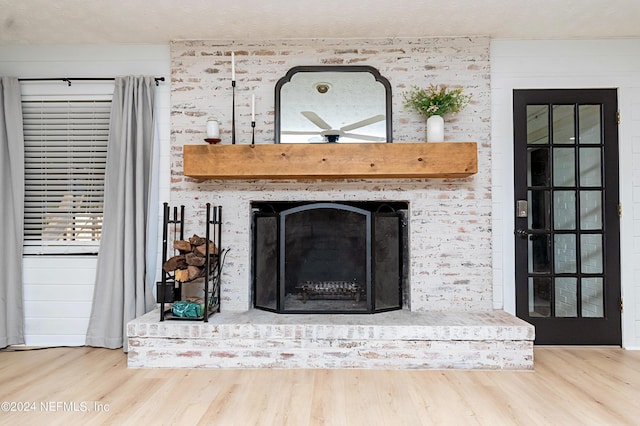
{"points": [[597, 332]]}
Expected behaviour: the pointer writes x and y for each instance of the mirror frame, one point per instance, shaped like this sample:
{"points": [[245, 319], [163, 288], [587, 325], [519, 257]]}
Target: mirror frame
{"points": [[334, 68]]}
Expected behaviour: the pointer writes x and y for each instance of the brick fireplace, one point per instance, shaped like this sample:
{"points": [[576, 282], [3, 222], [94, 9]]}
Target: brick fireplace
{"points": [[447, 318]]}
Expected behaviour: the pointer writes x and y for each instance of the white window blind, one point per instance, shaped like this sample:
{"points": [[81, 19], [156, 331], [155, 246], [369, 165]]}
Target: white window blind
{"points": [[65, 158]]}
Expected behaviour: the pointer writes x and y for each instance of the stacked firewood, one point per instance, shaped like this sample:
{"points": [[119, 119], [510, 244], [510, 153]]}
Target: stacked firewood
{"points": [[189, 264]]}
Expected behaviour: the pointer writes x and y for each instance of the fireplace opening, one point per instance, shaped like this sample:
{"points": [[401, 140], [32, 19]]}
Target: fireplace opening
{"points": [[329, 257]]}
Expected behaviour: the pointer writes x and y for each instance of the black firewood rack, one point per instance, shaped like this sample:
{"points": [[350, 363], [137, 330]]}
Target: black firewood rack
{"points": [[170, 290]]}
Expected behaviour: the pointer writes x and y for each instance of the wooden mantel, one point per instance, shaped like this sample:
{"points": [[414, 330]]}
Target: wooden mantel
{"points": [[331, 160]]}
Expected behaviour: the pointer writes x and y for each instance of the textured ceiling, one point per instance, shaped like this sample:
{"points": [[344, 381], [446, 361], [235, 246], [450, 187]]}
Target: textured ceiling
{"points": [[159, 21]]}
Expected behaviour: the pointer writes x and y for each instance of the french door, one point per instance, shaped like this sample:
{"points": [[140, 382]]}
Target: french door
{"points": [[566, 215]]}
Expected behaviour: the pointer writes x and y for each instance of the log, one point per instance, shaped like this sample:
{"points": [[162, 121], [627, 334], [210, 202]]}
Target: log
{"points": [[182, 245], [194, 272], [189, 265], [194, 259], [196, 240], [182, 275], [176, 262], [202, 249]]}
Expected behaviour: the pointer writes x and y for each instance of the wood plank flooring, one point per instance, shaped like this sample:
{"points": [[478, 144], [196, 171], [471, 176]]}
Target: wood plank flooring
{"points": [[89, 386]]}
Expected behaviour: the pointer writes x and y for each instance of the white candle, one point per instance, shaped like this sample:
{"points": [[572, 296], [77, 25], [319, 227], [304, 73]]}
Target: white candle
{"points": [[233, 66], [213, 128], [253, 107]]}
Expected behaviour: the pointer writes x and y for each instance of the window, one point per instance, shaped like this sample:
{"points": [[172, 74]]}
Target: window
{"points": [[65, 159]]}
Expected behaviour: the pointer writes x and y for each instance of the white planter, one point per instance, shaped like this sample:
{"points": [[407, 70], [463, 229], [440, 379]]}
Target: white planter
{"points": [[435, 129]]}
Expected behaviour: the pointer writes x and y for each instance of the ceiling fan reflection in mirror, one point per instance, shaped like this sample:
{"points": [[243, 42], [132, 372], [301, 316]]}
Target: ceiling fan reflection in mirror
{"points": [[329, 134]]}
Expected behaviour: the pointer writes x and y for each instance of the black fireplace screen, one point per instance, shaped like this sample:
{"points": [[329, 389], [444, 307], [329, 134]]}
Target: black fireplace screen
{"points": [[328, 257]]}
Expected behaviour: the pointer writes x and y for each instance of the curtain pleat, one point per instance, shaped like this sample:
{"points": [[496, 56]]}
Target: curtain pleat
{"points": [[12, 201], [122, 289]]}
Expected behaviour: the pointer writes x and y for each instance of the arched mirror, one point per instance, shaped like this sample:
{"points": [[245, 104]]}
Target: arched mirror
{"points": [[344, 104]]}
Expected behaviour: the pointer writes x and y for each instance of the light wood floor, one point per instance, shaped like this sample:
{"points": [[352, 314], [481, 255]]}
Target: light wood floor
{"points": [[68, 386]]}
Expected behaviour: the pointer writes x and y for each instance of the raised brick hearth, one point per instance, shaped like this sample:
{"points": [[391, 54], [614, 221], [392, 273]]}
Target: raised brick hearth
{"points": [[392, 340]]}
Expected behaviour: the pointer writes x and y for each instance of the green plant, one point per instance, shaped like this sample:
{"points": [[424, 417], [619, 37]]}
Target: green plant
{"points": [[435, 100]]}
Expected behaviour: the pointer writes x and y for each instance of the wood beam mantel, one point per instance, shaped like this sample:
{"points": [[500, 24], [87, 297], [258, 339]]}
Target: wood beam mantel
{"points": [[331, 161]]}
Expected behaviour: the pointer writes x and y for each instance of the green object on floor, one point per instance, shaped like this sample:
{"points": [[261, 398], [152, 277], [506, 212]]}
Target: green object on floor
{"points": [[185, 309]]}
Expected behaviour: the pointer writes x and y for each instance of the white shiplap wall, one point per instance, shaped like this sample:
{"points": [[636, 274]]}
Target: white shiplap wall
{"points": [[555, 64], [57, 299], [58, 290]]}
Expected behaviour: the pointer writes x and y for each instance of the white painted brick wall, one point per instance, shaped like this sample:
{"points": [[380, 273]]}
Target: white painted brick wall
{"points": [[450, 220], [390, 340]]}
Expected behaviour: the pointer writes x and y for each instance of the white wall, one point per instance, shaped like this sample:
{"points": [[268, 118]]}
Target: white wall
{"points": [[58, 290], [514, 64], [567, 64], [57, 299]]}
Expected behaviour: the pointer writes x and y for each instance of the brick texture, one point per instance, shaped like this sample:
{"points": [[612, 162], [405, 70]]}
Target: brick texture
{"points": [[394, 340], [449, 219]]}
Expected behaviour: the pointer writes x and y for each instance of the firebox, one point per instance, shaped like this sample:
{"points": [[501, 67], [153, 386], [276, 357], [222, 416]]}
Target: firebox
{"points": [[329, 257]]}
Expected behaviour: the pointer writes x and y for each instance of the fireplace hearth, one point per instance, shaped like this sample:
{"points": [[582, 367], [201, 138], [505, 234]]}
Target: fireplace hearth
{"points": [[329, 257]]}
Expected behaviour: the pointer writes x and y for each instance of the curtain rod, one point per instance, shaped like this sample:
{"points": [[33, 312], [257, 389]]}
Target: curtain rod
{"points": [[68, 80]]}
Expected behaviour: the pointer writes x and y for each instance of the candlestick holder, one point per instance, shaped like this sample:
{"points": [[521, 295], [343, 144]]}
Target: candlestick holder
{"points": [[233, 112], [253, 133]]}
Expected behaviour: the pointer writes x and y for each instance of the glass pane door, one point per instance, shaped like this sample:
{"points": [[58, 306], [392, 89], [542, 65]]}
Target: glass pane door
{"points": [[562, 231], [565, 189]]}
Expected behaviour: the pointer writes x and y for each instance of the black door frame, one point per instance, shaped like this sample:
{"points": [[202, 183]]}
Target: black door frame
{"points": [[594, 331]]}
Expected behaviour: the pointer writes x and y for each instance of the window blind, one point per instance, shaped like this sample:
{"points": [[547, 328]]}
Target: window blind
{"points": [[65, 159]]}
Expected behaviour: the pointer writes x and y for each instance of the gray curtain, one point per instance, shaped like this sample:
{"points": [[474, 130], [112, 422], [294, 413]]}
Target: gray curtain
{"points": [[122, 289], [12, 200]]}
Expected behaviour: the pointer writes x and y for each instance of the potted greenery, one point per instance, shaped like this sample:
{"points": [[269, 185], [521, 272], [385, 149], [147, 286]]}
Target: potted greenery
{"points": [[434, 102]]}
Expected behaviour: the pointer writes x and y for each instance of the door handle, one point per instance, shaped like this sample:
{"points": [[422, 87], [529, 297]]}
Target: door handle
{"points": [[522, 233]]}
